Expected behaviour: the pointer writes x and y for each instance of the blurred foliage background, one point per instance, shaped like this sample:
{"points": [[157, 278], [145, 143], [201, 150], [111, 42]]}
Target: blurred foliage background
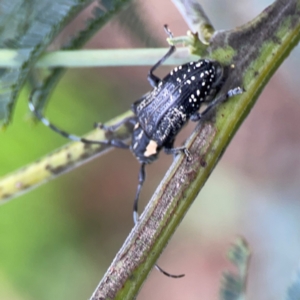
{"points": [[57, 241]]}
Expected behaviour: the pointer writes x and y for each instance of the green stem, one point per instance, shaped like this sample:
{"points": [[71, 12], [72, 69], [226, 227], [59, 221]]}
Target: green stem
{"points": [[97, 58], [56, 163]]}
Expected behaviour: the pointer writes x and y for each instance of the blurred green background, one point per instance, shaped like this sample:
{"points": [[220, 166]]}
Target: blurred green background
{"points": [[57, 241]]}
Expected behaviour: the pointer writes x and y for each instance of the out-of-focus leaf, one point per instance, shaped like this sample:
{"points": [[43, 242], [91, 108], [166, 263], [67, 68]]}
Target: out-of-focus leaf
{"points": [[135, 21], [293, 292], [233, 285], [29, 26], [102, 12]]}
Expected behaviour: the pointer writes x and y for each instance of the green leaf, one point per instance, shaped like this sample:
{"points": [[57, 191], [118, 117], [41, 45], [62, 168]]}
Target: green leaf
{"points": [[100, 15], [29, 26]]}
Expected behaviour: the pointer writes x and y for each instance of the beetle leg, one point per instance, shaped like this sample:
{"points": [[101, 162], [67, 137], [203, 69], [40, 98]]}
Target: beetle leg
{"points": [[112, 128], [178, 150], [232, 92]]}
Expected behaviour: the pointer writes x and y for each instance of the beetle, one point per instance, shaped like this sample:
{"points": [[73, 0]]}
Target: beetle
{"points": [[161, 113]]}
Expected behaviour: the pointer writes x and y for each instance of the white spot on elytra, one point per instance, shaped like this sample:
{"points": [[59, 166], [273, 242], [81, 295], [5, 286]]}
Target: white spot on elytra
{"points": [[203, 83], [198, 92], [188, 81], [201, 75], [193, 77]]}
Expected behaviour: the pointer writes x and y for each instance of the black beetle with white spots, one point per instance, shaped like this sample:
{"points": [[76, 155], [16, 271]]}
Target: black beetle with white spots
{"points": [[161, 113]]}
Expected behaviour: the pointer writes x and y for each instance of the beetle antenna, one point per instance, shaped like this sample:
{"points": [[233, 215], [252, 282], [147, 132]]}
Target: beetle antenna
{"points": [[168, 274], [113, 142], [142, 177]]}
